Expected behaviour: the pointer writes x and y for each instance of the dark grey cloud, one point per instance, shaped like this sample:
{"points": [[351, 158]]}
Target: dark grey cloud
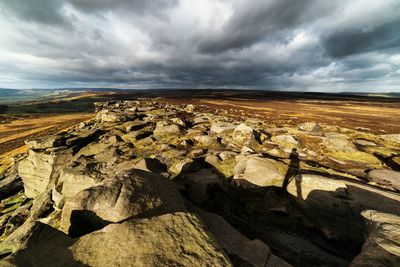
{"points": [[42, 11], [271, 44], [260, 20], [134, 6], [360, 40]]}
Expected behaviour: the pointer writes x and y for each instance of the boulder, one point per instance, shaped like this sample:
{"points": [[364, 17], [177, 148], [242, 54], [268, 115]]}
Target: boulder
{"points": [[382, 247], [335, 205], [206, 140], [134, 125], [309, 127], [247, 252], [180, 166], [286, 140], [260, 172], [243, 134], [134, 136], [136, 193], [189, 108], [178, 121], [178, 239], [338, 142], [42, 205], [224, 166], [221, 127], [362, 142], [110, 116], [41, 169], [386, 178], [199, 182], [46, 142], [164, 129], [74, 181]]}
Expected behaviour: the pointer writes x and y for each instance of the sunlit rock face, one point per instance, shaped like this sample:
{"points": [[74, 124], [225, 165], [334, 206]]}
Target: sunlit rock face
{"points": [[227, 187]]}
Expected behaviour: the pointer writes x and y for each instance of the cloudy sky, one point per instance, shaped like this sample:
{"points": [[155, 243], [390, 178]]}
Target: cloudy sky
{"points": [[313, 45]]}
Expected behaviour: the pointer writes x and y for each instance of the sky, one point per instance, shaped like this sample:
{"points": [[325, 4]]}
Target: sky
{"points": [[302, 45]]}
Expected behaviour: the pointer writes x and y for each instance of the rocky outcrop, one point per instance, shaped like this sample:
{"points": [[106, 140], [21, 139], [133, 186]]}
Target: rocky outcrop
{"points": [[382, 245], [41, 169], [332, 202], [119, 190], [135, 193], [260, 172], [171, 239]]}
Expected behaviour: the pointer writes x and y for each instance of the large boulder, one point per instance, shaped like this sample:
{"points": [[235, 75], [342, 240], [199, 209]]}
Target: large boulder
{"points": [[41, 169], [243, 134], [178, 239], [112, 116], [168, 240], [382, 248], [136, 193], [164, 129], [260, 172], [335, 205], [218, 128]]}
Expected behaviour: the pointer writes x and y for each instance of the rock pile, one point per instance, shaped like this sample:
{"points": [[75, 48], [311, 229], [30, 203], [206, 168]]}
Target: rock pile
{"points": [[142, 184]]}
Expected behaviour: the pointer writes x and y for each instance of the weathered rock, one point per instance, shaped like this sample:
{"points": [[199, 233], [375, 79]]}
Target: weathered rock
{"points": [[309, 126], [252, 252], [386, 178], [260, 172], [338, 142], [40, 170], [19, 238], [42, 205], [46, 142], [223, 166], [363, 142], [10, 185], [335, 205], [136, 193], [151, 242], [138, 135], [243, 134], [109, 116], [221, 127], [178, 121], [147, 242], [382, 248], [180, 166], [285, 140], [150, 165], [135, 125], [166, 130], [199, 182], [391, 137], [74, 181], [190, 108], [206, 140]]}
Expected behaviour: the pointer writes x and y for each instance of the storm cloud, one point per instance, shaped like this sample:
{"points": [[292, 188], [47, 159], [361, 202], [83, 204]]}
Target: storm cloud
{"points": [[262, 44]]}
